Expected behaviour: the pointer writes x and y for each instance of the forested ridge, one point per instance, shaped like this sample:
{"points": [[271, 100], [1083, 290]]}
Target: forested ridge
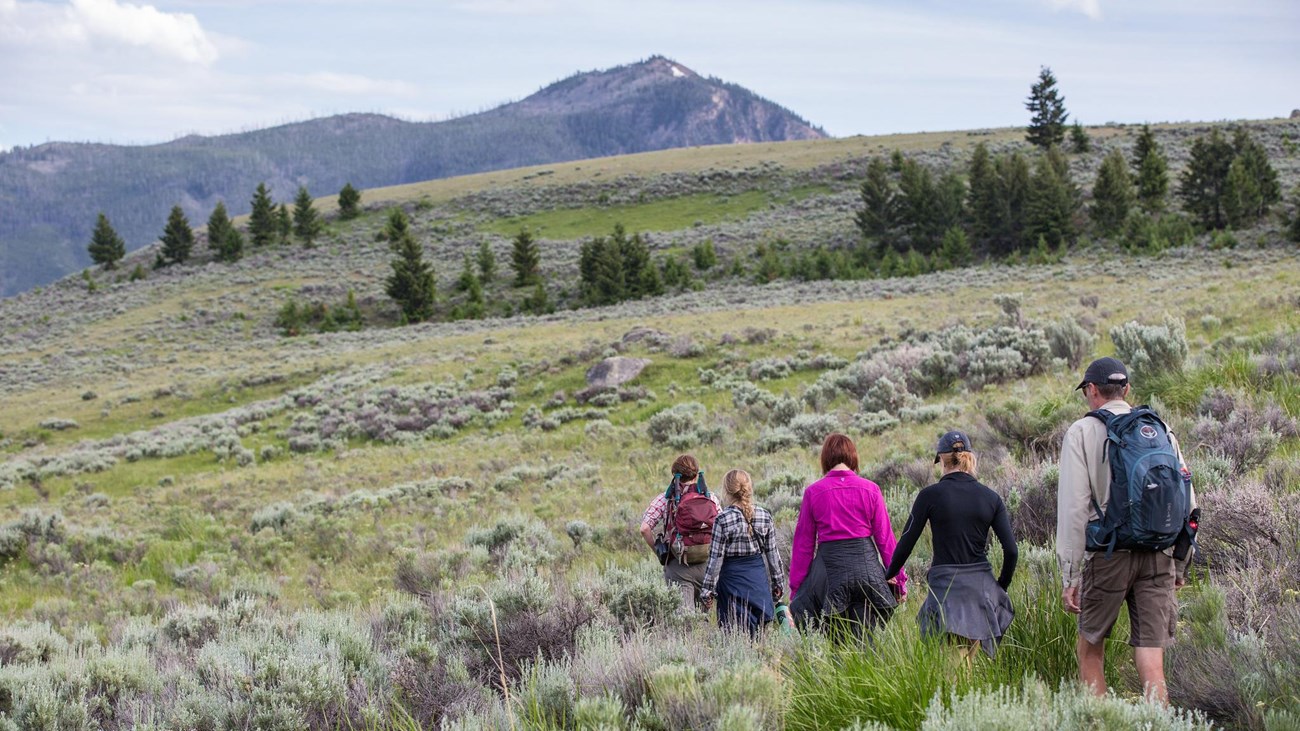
{"points": [[51, 193]]}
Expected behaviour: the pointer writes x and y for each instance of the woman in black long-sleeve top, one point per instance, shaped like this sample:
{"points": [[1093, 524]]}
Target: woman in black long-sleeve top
{"points": [[963, 598]]}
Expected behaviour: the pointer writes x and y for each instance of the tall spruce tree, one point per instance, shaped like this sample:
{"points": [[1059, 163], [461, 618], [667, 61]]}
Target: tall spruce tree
{"points": [[261, 221], [1112, 194], [283, 223], [411, 284], [1047, 113], [955, 251], [396, 227], [1052, 200], [106, 247], [1257, 168], [949, 202], [307, 224], [349, 203], [600, 265], [223, 238], [635, 257], [177, 238], [487, 262], [879, 214], [918, 202], [1152, 172], [525, 259], [1201, 185], [1241, 195], [1079, 142], [1012, 201], [982, 198]]}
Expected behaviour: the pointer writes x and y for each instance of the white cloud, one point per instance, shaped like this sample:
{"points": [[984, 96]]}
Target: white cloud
{"points": [[1090, 8], [92, 26]]}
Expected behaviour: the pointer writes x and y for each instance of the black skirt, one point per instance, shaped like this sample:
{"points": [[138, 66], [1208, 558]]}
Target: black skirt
{"points": [[845, 580]]}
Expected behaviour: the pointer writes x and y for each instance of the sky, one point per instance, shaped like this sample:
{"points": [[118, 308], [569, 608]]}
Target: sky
{"points": [[143, 73]]}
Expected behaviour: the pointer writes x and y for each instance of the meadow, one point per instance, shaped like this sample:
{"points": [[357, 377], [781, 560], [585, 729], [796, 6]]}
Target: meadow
{"points": [[207, 525]]}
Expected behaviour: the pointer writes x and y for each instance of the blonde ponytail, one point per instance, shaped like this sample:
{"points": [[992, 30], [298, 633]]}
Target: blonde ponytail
{"points": [[739, 489]]}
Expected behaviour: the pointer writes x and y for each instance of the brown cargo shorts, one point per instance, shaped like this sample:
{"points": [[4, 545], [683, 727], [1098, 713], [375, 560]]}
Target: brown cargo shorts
{"points": [[1142, 579]]}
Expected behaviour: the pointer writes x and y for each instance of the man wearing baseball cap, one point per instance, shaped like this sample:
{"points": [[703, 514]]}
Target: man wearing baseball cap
{"points": [[1097, 584]]}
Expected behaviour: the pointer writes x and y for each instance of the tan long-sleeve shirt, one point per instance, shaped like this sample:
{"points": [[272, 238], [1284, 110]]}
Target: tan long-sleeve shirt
{"points": [[1084, 476]]}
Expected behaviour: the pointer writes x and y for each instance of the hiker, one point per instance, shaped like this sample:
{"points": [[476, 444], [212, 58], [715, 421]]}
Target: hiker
{"points": [[963, 599], [1113, 549], [678, 527], [744, 571], [842, 542]]}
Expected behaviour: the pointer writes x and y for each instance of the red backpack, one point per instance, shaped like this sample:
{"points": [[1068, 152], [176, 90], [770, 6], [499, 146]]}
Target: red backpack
{"points": [[689, 524]]}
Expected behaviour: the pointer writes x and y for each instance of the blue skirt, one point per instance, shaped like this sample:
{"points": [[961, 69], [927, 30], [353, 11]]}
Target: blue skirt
{"points": [[744, 593]]}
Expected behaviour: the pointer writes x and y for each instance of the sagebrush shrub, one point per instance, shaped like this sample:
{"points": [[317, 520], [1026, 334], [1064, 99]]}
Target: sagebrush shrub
{"points": [[1069, 341], [682, 427], [1149, 350]]}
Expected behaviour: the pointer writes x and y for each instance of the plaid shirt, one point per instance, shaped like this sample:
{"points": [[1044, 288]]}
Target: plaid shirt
{"points": [[658, 510], [732, 537]]}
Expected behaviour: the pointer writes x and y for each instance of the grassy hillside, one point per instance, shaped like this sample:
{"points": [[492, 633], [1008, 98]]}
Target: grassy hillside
{"points": [[209, 525]]}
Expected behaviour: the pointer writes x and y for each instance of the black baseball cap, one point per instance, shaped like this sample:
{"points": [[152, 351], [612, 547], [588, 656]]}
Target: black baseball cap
{"points": [[1104, 371], [953, 441]]}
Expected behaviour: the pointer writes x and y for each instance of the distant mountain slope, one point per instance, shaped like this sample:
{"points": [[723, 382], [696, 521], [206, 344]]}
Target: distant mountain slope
{"points": [[49, 194]]}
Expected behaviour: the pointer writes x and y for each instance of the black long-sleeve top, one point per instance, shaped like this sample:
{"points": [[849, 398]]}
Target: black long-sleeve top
{"points": [[960, 510]]}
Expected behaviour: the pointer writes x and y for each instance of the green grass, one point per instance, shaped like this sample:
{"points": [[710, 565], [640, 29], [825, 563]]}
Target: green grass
{"points": [[660, 215]]}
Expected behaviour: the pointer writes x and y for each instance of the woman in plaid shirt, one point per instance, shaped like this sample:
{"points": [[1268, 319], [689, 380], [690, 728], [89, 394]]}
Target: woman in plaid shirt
{"points": [[744, 571]]}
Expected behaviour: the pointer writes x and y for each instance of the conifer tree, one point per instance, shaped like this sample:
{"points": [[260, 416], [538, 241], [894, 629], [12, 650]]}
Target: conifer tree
{"points": [[467, 277], [704, 255], [487, 262], [1112, 194], [1012, 203], [1152, 172], [1079, 142], [982, 198], [955, 252], [283, 223], [600, 263], [396, 228], [635, 257], [1052, 200], [349, 203], [949, 202], [879, 214], [918, 202], [675, 274], [261, 221], [223, 238], [1047, 112], [411, 284], [106, 247], [1202, 182], [177, 238], [1241, 195], [525, 259], [1256, 168], [537, 302], [307, 224]]}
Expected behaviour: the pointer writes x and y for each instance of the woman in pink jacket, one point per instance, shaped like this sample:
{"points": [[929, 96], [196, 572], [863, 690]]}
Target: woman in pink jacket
{"points": [[842, 543]]}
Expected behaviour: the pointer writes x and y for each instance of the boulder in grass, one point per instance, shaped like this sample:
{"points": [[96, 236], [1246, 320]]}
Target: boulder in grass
{"points": [[648, 334], [614, 372]]}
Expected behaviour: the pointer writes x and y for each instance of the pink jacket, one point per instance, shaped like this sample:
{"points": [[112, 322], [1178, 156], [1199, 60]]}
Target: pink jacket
{"points": [[838, 506]]}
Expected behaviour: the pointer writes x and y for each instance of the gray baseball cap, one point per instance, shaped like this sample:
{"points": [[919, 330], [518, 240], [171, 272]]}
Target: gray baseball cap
{"points": [[953, 441]]}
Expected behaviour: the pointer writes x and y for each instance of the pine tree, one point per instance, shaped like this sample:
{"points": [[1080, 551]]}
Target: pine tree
{"points": [[955, 252], [411, 284], [1241, 196], [635, 257], [879, 214], [223, 238], [1012, 203], [177, 238], [651, 284], [525, 259], [1052, 200], [949, 202], [261, 222], [467, 278], [1112, 194], [487, 262], [600, 263], [1256, 167], [982, 198], [106, 247], [537, 303], [1079, 142], [307, 224], [396, 228], [1047, 112], [1202, 182], [704, 255], [1152, 172], [675, 274], [283, 223], [917, 199], [349, 203]]}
